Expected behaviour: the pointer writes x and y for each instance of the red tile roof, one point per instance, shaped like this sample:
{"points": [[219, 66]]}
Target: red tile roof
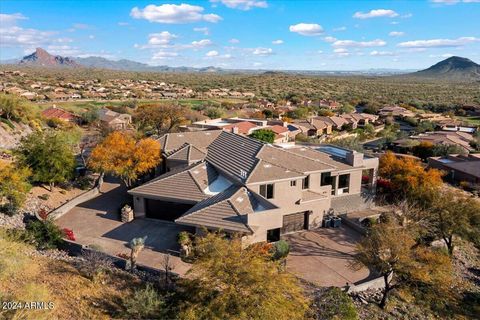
{"points": [[54, 112], [243, 127], [277, 129]]}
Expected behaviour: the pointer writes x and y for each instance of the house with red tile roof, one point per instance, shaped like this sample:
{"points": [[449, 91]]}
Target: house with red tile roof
{"points": [[58, 113]]}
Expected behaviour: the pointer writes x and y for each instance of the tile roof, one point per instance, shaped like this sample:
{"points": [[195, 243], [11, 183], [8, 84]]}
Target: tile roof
{"points": [[234, 154], [278, 129], [186, 183], [54, 112], [227, 211], [187, 153], [200, 139], [243, 127]]}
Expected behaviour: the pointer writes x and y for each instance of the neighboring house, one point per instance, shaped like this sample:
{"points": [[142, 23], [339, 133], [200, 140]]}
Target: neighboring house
{"points": [[457, 138], [114, 120], [395, 111], [458, 168], [258, 190], [58, 113]]}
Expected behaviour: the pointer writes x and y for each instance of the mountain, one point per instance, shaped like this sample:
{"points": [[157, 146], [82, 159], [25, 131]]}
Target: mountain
{"points": [[453, 68], [42, 58]]}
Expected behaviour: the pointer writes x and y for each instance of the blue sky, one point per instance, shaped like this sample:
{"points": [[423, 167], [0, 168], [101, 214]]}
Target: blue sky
{"points": [[249, 34]]}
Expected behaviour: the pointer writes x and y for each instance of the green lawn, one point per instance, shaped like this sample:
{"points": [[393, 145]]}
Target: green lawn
{"points": [[473, 120]]}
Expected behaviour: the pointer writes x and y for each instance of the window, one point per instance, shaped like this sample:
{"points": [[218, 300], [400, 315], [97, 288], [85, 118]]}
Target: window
{"points": [[328, 180], [306, 182], [293, 183], [344, 182], [266, 191]]}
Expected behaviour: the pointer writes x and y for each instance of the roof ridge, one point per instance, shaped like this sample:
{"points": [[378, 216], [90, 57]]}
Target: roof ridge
{"points": [[238, 213], [210, 205], [172, 174]]}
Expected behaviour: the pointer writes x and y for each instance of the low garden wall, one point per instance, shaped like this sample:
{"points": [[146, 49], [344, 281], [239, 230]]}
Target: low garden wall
{"points": [[377, 283], [69, 205]]}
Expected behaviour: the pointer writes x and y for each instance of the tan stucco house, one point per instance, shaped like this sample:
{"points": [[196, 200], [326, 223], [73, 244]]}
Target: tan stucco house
{"points": [[258, 190]]}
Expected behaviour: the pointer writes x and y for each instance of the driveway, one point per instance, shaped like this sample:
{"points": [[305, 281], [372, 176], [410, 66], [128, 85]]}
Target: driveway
{"points": [[98, 222], [323, 256]]}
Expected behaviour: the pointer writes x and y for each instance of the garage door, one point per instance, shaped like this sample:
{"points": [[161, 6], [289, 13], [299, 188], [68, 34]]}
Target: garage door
{"points": [[295, 222], [165, 210]]}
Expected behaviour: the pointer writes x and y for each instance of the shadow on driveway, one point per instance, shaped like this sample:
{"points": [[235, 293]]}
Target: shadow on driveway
{"points": [[97, 221]]}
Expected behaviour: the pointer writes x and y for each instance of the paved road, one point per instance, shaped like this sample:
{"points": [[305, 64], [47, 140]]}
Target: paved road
{"points": [[324, 256], [98, 222]]}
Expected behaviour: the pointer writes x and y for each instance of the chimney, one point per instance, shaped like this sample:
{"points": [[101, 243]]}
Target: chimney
{"points": [[235, 130], [354, 158]]}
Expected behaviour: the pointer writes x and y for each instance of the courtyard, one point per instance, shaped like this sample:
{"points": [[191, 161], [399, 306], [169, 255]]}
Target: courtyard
{"points": [[324, 256]]}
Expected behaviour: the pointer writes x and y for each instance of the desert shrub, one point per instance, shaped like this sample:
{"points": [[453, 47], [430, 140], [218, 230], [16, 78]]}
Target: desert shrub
{"points": [[43, 234], [44, 197], [334, 304], [145, 303], [95, 264], [281, 249]]}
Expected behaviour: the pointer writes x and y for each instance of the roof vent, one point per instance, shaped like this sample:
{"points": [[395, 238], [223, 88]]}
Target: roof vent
{"points": [[195, 171], [207, 133], [267, 165], [180, 135], [240, 199], [243, 173]]}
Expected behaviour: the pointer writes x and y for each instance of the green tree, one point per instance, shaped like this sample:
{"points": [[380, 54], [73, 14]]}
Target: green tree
{"points": [[49, 155], [229, 282], [263, 135], [214, 112], [392, 251], [13, 108], [452, 214], [14, 187]]}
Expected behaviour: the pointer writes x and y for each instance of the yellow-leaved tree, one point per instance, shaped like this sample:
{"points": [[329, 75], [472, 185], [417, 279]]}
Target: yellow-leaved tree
{"points": [[121, 155]]}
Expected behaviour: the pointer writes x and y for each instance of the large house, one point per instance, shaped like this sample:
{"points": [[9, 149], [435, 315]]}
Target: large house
{"points": [[255, 189], [458, 168]]}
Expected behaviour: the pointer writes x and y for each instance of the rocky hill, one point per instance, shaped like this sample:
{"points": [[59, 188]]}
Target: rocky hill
{"points": [[453, 68], [44, 59]]}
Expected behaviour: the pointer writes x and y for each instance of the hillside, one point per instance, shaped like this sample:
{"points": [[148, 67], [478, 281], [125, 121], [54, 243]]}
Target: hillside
{"points": [[453, 68], [42, 58]]}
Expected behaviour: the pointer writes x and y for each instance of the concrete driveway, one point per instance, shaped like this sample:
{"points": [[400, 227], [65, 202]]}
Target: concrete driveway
{"points": [[98, 222], [323, 256]]}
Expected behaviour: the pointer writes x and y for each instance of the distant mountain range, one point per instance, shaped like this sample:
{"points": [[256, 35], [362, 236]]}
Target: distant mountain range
{"points": [[453, 68]]}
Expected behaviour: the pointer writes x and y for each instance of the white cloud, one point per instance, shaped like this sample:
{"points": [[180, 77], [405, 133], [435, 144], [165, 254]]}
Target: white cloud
{"points": [[172, 13], [277, 41], [307, 29], [396, 34], [242, 4], [340, 29], [359, 44], [203, 30], [330, 39], [17, 36], [406, 16], [262, 51], [375, 14], [381, 53], [438, 43], [212, 53], [10, 19], [123, 24], [202, 43], [161, 55], [394, 22], [234, 40], [341, 52], [63, 50], [160, 39], [91, 37]]}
